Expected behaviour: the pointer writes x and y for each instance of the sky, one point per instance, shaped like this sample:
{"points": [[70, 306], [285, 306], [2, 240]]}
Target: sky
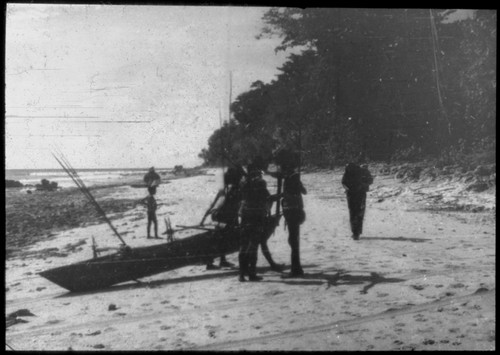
{"points": [[123, 86]]}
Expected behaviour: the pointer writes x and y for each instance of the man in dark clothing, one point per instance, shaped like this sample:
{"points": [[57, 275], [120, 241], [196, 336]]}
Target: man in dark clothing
{"points": [[253, 211], [226, 212], [152, 179], [293, 208], [356, 181]]}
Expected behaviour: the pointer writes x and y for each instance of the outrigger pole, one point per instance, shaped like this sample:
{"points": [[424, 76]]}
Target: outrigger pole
{"points": [[221, 140], [84, 189]]}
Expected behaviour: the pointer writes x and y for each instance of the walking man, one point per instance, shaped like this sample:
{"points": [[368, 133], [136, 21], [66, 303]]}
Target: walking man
{"points": [[356, 182]]}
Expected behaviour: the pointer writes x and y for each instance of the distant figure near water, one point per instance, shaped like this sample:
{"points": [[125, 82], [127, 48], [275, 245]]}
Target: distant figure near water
{"points": [[356, 182], [152, 179], [150, 203]]}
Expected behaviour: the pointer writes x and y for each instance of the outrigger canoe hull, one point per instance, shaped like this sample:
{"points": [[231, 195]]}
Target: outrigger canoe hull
{"points": [[140, 262]]}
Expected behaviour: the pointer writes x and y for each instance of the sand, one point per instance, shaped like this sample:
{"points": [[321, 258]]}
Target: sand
{"points": [[422, 277]]}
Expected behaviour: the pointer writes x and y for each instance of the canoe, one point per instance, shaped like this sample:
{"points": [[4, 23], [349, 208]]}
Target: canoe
{"points": [[133, 263]]}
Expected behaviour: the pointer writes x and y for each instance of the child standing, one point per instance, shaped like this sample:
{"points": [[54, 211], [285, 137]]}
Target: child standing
{"points": [[151, 204]]}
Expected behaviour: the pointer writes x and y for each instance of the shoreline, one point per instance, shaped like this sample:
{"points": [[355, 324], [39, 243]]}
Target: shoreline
{"points": [[39, 215]]}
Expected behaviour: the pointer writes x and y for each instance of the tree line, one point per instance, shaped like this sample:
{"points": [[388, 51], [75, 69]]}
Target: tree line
{"points": [[389, 84]]}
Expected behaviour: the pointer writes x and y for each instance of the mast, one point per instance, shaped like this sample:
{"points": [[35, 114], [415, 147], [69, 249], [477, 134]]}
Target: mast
{"points": [[84, 189]]}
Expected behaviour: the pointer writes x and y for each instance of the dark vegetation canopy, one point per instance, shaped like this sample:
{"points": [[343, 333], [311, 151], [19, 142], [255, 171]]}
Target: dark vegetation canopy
{"points": [[389, 84]]}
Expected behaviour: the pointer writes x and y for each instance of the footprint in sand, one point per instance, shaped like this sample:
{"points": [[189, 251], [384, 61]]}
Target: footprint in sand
{"points": [[53, 321], [420, 318]]}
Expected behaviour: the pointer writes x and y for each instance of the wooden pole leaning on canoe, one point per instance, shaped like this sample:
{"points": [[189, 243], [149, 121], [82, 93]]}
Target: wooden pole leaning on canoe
{"points": [[84, 189]]}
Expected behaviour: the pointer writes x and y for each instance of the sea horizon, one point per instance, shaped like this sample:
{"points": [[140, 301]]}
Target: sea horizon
{"points": [[90, 176]]}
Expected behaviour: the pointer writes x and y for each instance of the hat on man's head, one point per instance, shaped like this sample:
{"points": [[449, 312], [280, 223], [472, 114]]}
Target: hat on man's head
{"points": [[253, 170], [233, 175], [259, 162]]}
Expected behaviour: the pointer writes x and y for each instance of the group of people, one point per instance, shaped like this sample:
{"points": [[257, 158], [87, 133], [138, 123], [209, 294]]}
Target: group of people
{"points": [[246, 203], [244, 208]]}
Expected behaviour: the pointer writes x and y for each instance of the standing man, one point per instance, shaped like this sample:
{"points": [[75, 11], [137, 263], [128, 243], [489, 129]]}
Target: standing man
{"points": [[151, 205], [293, 207], [227, 211], [152, 179], [253, 211], [356, 182]]}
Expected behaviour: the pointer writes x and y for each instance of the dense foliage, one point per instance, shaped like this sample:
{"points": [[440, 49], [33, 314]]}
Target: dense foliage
{"points": [[386, 83]]}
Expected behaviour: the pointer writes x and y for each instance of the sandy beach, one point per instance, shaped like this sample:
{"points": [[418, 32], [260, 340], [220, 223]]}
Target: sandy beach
{"points": [[422, 276]]}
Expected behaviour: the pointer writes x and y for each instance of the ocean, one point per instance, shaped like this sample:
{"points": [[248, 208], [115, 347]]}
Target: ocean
{"points": [[89, 176]]}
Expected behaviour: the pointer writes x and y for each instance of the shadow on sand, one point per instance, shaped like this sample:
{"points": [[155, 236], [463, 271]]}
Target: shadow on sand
{"points": [[339, 279], [156, 283], [396, 239], [213, 274]]}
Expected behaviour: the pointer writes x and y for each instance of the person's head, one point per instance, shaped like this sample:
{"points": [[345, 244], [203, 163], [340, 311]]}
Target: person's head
{"points": [[253, 170], [287, 160], [259, 162], [151, 190], [152, 169], [351, 167], [232, 176]]}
